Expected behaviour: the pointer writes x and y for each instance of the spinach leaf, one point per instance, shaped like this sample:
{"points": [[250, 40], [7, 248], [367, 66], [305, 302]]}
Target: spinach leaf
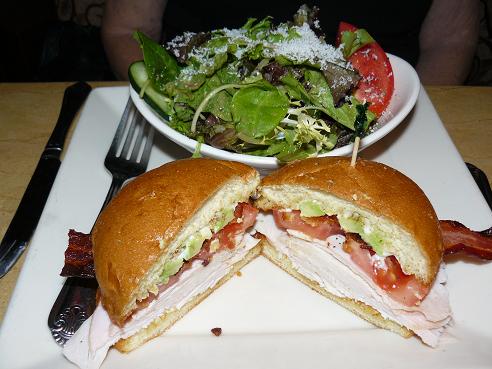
{"points": [[180, 126], [183, 112], [296, 153], [185, 85], [215, 43], [293, 149], [271, 150], [353, 41], [320, 92], [219, 104], [228, 74], [255, 53], [295, 89], [213, 64], [249, 23], [161, 66], [259, 30], [282, 60], [259, 109], [319, 89]]}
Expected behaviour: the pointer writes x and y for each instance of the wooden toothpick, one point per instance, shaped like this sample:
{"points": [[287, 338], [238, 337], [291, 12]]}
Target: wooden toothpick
{"points": [[354, 151]]}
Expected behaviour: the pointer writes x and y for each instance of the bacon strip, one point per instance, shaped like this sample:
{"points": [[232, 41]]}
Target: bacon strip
{"points": [[78, 256], [460, 239]]}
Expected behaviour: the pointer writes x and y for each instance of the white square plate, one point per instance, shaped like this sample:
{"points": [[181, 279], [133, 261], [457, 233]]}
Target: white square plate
{"points": [[268, 319]]}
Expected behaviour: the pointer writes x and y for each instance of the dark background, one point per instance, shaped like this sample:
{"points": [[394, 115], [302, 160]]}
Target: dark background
{"points": [[49, 40], [56, 40]]}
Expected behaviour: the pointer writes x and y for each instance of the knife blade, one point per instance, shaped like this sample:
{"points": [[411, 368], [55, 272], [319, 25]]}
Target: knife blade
{"points": [[31, 206]]}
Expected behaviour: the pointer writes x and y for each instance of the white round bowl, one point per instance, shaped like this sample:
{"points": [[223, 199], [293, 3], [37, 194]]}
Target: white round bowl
{"points": [[407, 87]]}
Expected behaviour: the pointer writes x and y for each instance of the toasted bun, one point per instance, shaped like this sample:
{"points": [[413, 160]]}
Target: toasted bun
{"points": [[147, 222], [386, 200], [362, 310]]}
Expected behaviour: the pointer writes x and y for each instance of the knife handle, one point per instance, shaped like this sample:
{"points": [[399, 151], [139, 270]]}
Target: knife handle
{"points": [[72, 100], [28, 213]]}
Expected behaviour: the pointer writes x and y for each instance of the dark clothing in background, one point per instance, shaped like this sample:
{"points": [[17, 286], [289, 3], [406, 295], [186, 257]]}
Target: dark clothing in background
{"points": [[72, 48], [73, 52], [46, 40], [393, 24]]}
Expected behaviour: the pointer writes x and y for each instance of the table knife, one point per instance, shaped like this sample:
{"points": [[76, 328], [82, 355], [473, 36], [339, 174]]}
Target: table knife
{"points": [[32, 203]]}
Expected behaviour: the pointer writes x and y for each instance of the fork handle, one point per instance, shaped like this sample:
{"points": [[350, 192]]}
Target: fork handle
{"points": [[116, 185]]}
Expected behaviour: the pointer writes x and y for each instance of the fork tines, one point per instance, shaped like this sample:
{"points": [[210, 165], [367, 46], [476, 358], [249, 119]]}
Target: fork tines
{"points": [[132, 131]]}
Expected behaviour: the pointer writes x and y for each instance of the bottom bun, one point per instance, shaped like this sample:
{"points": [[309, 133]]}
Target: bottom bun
{"points": [[166, 321], [359, 308]]}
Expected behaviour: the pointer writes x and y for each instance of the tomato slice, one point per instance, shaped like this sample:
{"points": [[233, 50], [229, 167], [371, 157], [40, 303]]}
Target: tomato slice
{"points": [[377, 83], [317, 227], [386, 273], [244, 217]]}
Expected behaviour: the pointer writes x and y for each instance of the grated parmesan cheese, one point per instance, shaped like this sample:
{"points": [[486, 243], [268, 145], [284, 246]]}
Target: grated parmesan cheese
{"points": [[307, 48]]}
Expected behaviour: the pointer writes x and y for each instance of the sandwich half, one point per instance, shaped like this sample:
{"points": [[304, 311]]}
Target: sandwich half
{"points": [[365, 236], [164, 243]]}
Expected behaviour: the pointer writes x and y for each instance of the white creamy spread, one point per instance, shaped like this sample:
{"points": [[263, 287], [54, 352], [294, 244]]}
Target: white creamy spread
{"points": [[90, 344], [325, 262]]}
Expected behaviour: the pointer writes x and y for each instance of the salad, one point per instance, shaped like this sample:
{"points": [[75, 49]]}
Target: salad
{"points": [[267, 89]]}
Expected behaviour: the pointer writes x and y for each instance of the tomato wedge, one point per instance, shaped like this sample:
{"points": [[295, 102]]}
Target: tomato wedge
{"points": [[317, 227], [386, 273], [372, 63]]}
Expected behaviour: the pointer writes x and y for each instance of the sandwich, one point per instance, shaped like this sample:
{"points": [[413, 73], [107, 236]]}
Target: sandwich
{"points": [[165, 242], [365, 236]]}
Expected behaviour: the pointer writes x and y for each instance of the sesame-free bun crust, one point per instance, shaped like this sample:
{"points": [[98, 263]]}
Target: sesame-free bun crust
{"points": [[133, 235], [381, 191]]}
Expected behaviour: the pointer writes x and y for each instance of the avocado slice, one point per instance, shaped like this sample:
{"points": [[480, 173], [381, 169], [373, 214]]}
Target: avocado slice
{"points": [[171, 267], [224, 217], [310, 208], [373, 239], [194, 243]]}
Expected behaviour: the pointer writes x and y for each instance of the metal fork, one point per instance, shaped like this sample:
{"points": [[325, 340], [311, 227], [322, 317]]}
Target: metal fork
{"points": [[127, 157]]}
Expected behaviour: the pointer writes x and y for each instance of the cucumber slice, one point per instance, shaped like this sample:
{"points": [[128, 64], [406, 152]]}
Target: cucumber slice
{"points": [[139, 79]]}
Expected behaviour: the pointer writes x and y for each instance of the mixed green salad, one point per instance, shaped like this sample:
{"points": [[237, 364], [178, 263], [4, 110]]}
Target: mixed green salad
{"points": [[263, 89]]}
